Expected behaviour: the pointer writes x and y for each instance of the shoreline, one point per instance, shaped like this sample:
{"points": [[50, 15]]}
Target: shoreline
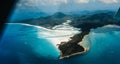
{"points": [[85, 45], [78, 53], [57, 41]]}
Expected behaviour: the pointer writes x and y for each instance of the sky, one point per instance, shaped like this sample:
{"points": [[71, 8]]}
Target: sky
{"points": [[31, 8], [68, 5]]}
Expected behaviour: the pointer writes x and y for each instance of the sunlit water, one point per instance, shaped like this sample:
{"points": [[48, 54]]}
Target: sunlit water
{"points": [[23, 44]]}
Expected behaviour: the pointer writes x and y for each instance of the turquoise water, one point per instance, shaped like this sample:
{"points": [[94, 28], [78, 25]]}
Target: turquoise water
{"points": [[23, 45]]}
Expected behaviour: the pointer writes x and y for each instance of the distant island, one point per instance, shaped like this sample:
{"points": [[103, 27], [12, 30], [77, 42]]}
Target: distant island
{"points": [[85, 22]]}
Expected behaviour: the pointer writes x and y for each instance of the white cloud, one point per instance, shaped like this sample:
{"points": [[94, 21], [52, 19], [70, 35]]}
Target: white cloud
{"points": [[37, 3], [82, 1], [34, 3], [48, 2], [110, 1]]}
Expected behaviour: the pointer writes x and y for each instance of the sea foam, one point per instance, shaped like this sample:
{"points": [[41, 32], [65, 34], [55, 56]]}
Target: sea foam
{"points": [[59, 33]]}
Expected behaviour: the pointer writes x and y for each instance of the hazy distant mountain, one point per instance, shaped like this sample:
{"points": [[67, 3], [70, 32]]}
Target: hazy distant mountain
{"points": [[95, 20], [117, 16], [24, 15], [58, 15], [86, 12], [89, 21]]}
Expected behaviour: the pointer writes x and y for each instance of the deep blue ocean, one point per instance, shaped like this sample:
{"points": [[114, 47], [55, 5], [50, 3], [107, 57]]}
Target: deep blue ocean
{"points": [[21, 44]]}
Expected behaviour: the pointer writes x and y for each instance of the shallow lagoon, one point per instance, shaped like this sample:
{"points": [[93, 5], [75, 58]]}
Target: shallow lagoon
{"points": [[22, 45]]}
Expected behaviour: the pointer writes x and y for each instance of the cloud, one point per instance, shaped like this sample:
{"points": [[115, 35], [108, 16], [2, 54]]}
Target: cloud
{"points": [[110, 1], [82, 1], [37, 3], [54, 2]]}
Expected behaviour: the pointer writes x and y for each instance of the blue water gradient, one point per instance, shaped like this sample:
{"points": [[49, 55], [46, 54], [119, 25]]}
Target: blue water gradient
{"points": [[22, 45]]}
